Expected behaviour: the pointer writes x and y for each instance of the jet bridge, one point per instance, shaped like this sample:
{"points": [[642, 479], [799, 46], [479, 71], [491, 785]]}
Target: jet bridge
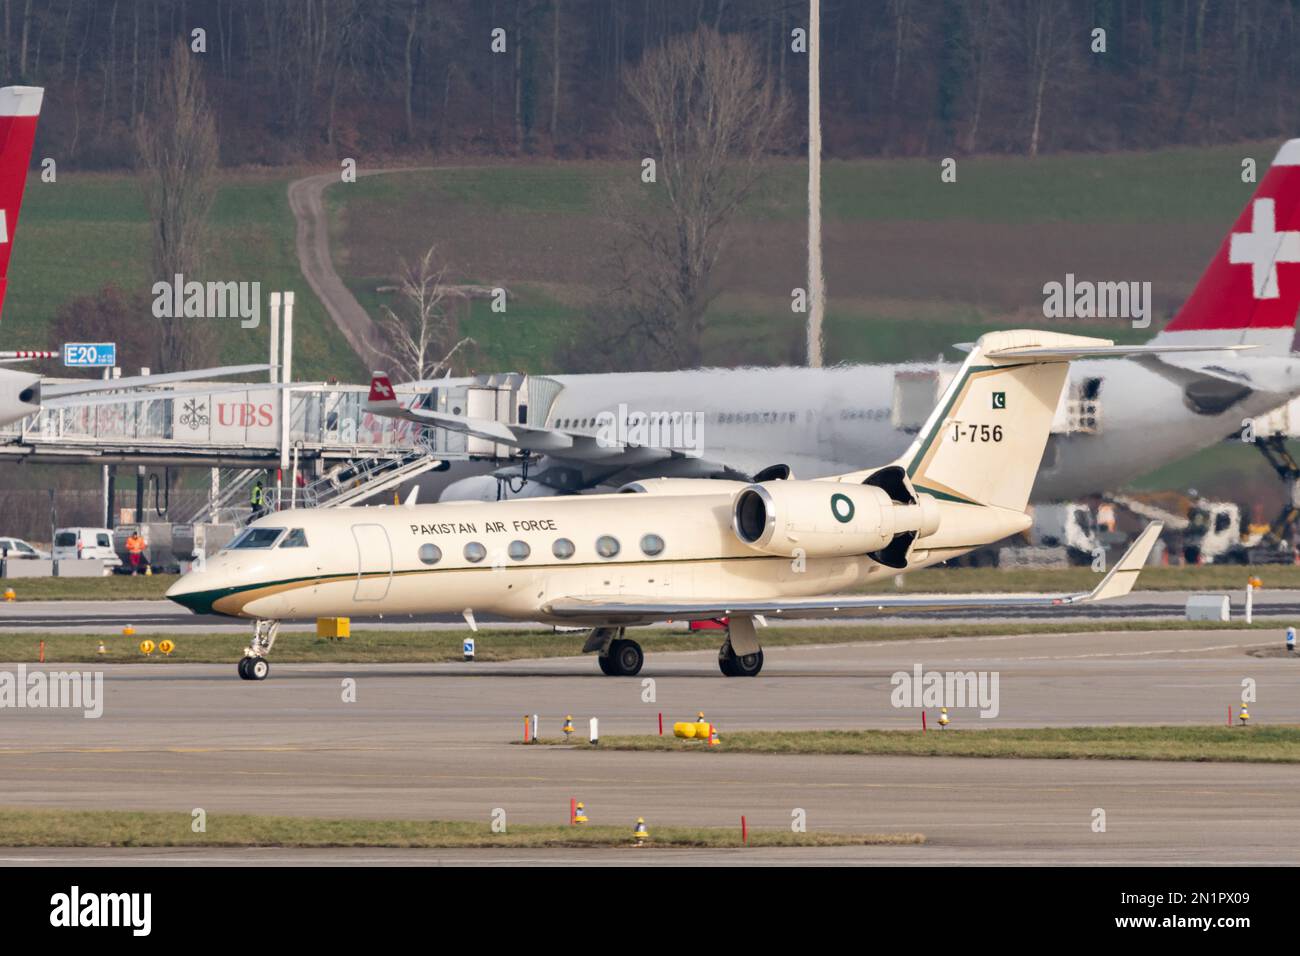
{"points": [[313, 445]]}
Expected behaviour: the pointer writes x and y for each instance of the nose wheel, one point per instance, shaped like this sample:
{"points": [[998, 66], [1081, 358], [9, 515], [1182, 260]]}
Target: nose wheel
{"points": [[254, 668], [254, 665]]}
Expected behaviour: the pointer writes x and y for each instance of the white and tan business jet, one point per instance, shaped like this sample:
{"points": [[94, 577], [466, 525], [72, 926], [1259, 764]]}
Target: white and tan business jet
{"points": [[683, 549]]}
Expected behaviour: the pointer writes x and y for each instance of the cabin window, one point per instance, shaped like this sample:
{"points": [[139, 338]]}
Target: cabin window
{"points": [[652, 544], [251, 538], [475, 552], [297, 538], [430, 554], [607, 546], [518, 550], [563, 549]]}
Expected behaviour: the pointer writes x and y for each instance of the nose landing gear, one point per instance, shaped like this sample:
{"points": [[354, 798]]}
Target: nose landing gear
{"points": [[254, 665]]}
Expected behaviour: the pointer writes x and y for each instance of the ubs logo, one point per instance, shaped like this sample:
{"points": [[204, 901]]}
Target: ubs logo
{"points": [[244, 414]]}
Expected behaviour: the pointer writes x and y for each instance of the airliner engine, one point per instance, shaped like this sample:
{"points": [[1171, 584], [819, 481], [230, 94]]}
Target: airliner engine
{"points": [[821, 519]]}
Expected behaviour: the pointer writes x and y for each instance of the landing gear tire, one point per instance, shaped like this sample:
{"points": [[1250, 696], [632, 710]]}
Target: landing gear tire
{"points": [[624, 659], [254, 668], [736, 665], [254, 665]]}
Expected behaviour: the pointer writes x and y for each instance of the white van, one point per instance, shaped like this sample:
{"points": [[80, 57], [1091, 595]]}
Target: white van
{"points": [[73, 543]]}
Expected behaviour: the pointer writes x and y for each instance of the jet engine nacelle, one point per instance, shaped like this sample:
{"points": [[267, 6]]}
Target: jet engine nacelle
{"points": [[824, 519], [20, 395]]}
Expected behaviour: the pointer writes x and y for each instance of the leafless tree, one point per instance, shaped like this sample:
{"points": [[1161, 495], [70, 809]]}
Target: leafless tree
{"points": [[1047, 41], [177, 151], [705, 110], [420, 337], [983, 29]]}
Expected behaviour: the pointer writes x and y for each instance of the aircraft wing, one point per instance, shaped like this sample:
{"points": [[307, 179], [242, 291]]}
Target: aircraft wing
{"points": [[150, 395], [1106, 351], [50, 390], [383, 401], [517, 436], [628, 610]]}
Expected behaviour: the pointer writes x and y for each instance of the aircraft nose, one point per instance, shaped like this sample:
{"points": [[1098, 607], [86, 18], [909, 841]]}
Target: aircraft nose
{"points": [[190, 593]]}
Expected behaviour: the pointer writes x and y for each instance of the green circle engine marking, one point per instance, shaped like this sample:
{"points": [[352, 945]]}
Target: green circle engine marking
{"points": [[842, 508]]}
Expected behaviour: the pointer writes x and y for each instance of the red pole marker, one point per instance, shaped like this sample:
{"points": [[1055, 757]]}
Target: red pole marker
{"points": [[922, 721], [43, 661], [573, 809], [525, 728], [744, 830], [661, 723], [1229, 715]]}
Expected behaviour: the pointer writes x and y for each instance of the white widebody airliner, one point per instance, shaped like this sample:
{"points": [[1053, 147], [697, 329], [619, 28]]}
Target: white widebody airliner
{"points": [[682, 549], [1118, 419]]}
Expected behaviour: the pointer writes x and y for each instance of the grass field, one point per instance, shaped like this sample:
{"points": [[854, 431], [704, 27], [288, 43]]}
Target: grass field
{"points": [[525, 226], [87, 229], [1116, 187], [428, 647], [953, 580], [1258, 744], [119, 828]]}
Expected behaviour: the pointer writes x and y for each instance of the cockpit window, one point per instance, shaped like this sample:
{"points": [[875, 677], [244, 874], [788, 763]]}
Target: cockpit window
{"points": [[251, 538], [297, 538]]}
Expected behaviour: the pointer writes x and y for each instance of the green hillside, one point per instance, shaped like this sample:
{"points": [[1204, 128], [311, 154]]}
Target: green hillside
{"points": [[86, 230]]}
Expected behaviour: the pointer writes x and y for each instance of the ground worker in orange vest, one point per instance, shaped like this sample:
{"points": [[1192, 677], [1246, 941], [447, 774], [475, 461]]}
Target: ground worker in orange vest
{"points": [[135, 551]]}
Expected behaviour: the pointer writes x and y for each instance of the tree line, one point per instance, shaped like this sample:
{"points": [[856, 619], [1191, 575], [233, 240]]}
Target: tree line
{"points": [[296, 80]]}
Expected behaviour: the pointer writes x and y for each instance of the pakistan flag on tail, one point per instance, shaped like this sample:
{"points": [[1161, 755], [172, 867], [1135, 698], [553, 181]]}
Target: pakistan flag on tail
{"points": [[983, 443]]}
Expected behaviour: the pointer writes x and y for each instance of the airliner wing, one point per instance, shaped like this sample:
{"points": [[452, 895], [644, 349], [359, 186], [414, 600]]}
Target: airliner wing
{"points": [[51, 390], [1117, 582], [1108, 351], [516, 436], [383, 401], [153, 395]]}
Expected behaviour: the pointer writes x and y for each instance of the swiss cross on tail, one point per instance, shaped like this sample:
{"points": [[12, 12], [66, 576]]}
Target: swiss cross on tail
{"points": [[1250, 292], [381, 390]]}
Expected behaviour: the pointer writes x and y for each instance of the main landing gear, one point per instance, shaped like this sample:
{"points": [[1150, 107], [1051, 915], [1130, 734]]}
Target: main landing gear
{"points": [[740, 654], [619, 657], [739, 665], [254, 665]]}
